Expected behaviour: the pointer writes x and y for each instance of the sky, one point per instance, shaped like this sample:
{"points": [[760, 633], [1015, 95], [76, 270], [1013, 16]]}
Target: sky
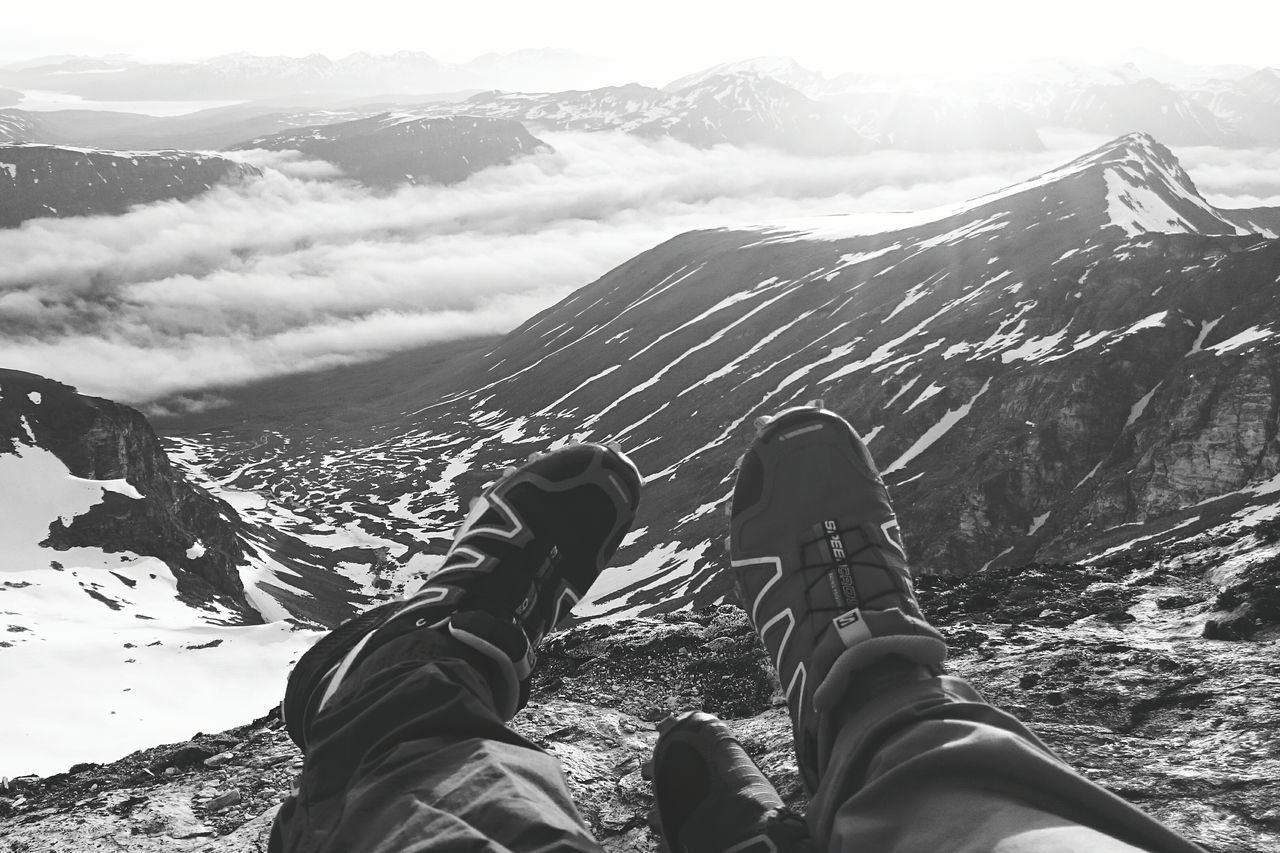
{"points": [[661, 37]]}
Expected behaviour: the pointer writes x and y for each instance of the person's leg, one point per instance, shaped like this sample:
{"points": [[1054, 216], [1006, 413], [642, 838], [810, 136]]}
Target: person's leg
{"points": [[401, 712], [413, 756], [896, 756], [916, 760]]}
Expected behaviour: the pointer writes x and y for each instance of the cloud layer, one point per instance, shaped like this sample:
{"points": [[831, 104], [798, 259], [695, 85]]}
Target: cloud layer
{"points": [[293, 272]]}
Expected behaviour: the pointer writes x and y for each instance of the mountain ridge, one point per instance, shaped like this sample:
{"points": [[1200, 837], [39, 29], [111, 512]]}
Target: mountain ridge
{"points": [[939, 334], [38, 180]]}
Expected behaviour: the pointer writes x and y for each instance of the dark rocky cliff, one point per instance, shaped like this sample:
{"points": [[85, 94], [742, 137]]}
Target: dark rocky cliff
{"points": [[100, 440], [47, 180]]}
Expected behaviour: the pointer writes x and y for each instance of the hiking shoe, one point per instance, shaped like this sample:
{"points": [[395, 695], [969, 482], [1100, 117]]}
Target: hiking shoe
{"points": [[709, 796], [529, 549], [819, 564]]}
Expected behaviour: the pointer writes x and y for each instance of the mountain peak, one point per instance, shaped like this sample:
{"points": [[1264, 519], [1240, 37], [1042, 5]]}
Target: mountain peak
{"points": [[1132, 183], [780, 68], [1147, 190]]}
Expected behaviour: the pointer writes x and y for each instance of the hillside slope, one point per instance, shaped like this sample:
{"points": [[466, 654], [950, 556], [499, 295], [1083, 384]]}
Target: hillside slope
{"points": [[1050, 371], [48, 180]]}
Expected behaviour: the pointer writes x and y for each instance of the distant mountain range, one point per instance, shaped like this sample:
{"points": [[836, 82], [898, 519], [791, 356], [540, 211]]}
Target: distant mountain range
{"points": [[767, 101], [404, 148], [733, 109], [48, 180]]}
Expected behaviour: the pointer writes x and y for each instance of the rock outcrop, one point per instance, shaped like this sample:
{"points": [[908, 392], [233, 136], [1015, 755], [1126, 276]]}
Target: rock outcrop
{"points": [[100, 440], [48, 180]]}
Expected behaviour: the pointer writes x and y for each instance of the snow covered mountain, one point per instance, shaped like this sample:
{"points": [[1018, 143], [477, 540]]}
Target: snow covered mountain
{"points": [[1249, 107], [49, 180], [17, 126], [132, 601], [780, 68], [1075, 363], [398, 148], [1145, 105], [736, 108], [918, 122]]}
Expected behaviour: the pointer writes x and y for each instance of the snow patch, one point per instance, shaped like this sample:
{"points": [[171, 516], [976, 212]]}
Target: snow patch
{"points": [[910, 383], [1035, 348], [932, 391], [1250, 335], [196, 551], [1206, 326], [935, 432], [1087, 477], [1139, 407], [1151, 321], [112, 626], [34, 397]]}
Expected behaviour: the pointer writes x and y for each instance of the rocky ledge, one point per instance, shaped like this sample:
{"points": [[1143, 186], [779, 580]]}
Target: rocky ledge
{"points": [[1108, 662]]}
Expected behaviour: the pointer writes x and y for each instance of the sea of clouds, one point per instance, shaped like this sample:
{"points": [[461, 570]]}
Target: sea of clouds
{"points": [[298, 271]]}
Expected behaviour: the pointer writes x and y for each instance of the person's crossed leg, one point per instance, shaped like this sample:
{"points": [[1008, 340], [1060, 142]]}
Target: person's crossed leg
{"points": [[402, 712]]}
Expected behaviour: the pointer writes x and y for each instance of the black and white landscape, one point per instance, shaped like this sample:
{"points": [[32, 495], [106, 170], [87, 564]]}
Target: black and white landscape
{"points": [[255, 358]]}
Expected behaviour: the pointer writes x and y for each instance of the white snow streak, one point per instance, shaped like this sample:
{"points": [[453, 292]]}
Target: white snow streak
{"points": [[935, 432]]}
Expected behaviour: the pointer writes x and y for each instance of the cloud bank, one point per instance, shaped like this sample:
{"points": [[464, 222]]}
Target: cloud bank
{"points": [[294, 272]]}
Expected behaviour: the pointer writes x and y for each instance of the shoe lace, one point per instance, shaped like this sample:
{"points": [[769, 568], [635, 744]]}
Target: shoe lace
{"points": [[867, 556]]}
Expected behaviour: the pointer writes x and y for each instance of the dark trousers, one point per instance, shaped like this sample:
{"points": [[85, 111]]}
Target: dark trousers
{"points": [[411, 756]]}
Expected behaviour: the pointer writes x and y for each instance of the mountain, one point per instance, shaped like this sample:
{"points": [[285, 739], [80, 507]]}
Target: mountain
{"points": [[48, 180], [1263, 85], [146, 507], [734, 109], [1046, 372], [128, 582], [907, 121], [1145, 105], [19, 126], [397, 148], [121, 594], [780, 68], [746, 109], [1249, 106]]}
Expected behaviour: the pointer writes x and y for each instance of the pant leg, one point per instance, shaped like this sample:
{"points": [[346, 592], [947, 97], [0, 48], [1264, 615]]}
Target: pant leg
{"points": [[410, 756], [929, 765]]}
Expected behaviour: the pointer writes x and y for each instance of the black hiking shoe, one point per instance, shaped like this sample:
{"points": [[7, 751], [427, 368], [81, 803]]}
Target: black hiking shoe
{"points": [[709, 796], [819, 565], [529, 549]]}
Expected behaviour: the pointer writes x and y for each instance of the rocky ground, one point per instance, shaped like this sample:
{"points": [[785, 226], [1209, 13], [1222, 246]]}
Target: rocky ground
{"points": [[1109, 662]]}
